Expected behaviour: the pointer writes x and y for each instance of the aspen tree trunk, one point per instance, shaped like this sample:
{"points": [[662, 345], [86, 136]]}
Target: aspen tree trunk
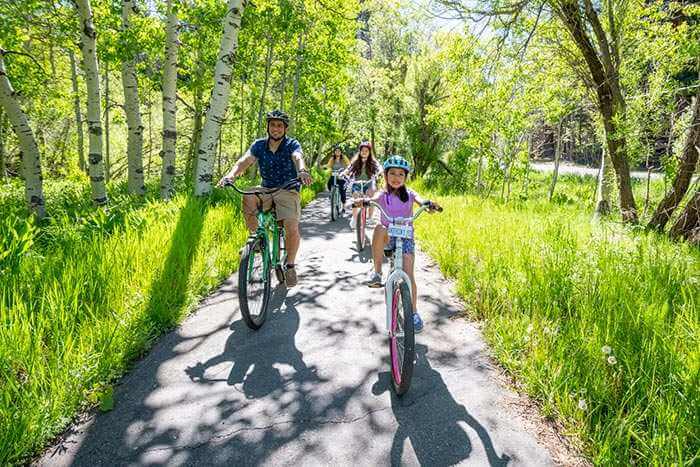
{"points": [[169, 104], [242, 130], [3, 170], [297, 77], [78, 115], [196, 134], [263, 94], [96, 167], [606, 185], [557, 158], [31, 162], [688, 224], [219, 97], [133, 114], [686, 169], [108, 163]]}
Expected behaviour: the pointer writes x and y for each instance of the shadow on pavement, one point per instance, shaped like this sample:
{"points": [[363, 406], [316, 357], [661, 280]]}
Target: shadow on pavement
{"points": [[430, 418]]}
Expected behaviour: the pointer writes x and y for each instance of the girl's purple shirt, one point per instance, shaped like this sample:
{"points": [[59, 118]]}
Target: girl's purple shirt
{"points": [[393, 205]]}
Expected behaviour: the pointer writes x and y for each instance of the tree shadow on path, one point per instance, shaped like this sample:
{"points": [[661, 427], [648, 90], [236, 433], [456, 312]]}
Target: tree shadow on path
{"points": [[253, 357]]}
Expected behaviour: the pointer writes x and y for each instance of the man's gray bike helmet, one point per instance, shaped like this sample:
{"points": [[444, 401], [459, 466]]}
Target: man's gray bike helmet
{"points": [[278, 115]]}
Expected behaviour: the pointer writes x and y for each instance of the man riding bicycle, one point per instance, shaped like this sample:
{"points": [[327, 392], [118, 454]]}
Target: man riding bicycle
{"points": [[280, 159]]}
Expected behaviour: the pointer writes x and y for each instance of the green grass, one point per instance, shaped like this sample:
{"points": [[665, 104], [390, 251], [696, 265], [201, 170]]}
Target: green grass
{"points": [[88, 291], [555, 290]]}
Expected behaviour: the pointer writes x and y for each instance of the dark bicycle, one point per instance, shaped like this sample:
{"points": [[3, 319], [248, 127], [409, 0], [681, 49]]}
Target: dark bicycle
{"points": [[264, 250], [336, 203], [361, 222]]}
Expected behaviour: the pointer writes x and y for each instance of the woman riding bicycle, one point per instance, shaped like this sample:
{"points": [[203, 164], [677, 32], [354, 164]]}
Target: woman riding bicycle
{"points": [[363, 168], [396, 200], [336, 164]]}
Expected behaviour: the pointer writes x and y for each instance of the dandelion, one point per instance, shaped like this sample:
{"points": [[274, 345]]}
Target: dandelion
{"points": [[582, 405], [606, 350], [612, 360]]}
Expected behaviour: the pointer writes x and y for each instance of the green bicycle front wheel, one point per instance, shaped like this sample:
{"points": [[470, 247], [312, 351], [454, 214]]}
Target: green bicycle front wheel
{"points": [[254, 283]]}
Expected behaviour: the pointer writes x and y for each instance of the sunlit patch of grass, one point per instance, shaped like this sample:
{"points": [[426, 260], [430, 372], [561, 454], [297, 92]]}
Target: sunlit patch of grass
{"points": [[600, 324]]}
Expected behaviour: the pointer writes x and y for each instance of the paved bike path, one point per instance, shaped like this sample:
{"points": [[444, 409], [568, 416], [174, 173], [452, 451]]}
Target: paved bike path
{"points": [[312, 386]]}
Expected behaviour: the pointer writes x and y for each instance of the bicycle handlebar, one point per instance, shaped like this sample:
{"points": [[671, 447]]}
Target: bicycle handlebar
{"points": [[268, 191], [424, 206]]}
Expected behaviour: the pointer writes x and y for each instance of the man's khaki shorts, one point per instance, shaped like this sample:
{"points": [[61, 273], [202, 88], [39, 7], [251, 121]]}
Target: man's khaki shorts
{"points": [[287, 204]]}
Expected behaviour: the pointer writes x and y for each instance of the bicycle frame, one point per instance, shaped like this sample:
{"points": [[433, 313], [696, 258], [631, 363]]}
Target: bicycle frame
{"points": [[268, 230]]}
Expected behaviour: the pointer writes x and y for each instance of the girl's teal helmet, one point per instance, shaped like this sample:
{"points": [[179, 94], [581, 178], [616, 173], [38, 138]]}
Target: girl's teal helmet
{"points": [[397, 162]]}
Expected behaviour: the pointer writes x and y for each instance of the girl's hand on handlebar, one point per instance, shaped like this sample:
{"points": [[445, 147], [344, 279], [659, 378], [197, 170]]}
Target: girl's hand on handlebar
{"points": [[434, 207], [359, 202]]}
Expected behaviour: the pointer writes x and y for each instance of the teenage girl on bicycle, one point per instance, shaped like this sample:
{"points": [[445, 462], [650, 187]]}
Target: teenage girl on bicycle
{"points": [[363, 167], [397, 201], [338, 162]]}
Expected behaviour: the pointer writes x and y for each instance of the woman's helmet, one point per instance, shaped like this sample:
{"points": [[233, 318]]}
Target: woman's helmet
{"points": [[397, 162], [365, 144], [278, 115]]}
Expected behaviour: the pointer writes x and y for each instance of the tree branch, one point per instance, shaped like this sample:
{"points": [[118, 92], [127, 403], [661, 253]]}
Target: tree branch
{"points": [[4, 52]]}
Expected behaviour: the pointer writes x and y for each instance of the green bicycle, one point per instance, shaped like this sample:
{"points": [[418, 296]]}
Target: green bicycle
{"points": [[264, 250]]}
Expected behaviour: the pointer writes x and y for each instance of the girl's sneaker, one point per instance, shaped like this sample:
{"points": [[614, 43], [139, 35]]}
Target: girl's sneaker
{"points": [[375, 280], [417, 323]]}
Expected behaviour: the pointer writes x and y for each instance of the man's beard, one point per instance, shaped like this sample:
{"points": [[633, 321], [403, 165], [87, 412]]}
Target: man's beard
{"points": [[269, 135]]}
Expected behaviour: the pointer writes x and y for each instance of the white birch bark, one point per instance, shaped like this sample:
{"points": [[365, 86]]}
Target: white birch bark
{"points": [[108, 107], [78, 114], [297, 76], [219, 97], [92, 80], [3, 170], [133, 114], [31, 162], [606, 185], [263, 94], [169, 104]]}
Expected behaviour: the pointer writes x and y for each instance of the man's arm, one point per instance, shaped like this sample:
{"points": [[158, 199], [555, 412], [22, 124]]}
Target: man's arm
{"points": [[239, 167], [298, 158]]}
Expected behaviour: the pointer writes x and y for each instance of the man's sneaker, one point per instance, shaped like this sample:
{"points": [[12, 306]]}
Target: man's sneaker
{"points": [[375, 280], [290, 276], [417, 323]]}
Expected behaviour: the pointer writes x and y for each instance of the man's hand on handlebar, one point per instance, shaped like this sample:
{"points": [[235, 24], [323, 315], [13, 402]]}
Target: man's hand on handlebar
{"points": [[226, 180], [305, 177]]}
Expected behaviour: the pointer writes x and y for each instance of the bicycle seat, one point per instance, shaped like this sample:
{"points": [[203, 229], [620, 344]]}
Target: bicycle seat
{"points": [[389, 251]]}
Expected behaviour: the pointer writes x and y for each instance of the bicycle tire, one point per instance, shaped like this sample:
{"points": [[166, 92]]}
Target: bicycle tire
{"points": [[254, 316], [334, 204], [360, 228], [401, 345]]}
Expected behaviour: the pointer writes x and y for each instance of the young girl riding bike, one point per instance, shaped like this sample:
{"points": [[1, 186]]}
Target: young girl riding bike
{"points": [[363, 168], [397, 201]]}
